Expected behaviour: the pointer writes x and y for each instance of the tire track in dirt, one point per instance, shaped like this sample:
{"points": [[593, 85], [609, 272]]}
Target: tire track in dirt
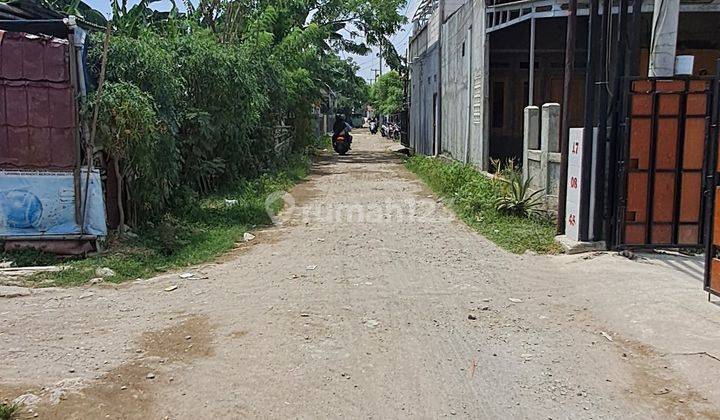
{"points": [[355, 306]]}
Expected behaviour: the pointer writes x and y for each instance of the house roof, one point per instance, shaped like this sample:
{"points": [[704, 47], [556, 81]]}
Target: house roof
{"points": [[502, 15]]}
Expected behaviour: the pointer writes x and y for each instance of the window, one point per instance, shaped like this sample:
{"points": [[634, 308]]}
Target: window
{"points": [[463, 49]]}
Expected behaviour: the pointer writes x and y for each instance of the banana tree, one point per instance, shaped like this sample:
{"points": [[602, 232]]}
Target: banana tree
{"points": [[78, 8]]}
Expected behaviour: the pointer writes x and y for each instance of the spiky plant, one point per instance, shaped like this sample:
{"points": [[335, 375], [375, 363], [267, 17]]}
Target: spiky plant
{"points": [[516, 197]]}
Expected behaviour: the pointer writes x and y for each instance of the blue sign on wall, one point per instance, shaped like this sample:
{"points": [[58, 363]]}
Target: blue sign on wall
{"points": [[43, 203]]}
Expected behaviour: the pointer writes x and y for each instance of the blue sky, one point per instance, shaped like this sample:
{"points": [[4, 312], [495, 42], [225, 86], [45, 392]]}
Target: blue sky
{"points": [[367, 63]]}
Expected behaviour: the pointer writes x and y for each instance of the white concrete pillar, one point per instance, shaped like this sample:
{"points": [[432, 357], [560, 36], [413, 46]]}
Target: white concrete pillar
{"points": [[664, 38], [549, 142], [531, 135], [550, 134]]}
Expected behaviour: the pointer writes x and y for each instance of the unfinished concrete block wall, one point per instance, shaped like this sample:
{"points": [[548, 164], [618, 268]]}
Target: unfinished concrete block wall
{"points": [[424, 64], [464, 62], [457, 56], [423, 100], [541, 152]]}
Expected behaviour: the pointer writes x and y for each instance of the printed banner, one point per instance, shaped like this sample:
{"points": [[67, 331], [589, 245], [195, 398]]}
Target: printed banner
{"points": [[36, 203]]}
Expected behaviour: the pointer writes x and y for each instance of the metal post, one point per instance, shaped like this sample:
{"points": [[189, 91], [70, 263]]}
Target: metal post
{"points": [[624, 66], [531, 64], [587, 153], [565, 122], [76, 134], [601, 224], [612, 202]]}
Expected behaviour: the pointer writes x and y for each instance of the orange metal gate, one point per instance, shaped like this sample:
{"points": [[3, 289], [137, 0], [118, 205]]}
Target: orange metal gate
{"points": [[712, 254], [712, 192], [661, 182]]}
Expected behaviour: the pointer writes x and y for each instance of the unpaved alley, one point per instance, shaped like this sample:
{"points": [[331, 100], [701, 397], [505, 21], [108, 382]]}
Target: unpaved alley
{"points": [[370, 300]]}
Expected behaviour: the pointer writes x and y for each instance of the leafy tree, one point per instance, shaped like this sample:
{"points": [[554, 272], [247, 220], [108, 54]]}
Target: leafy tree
{"points": [[213, 84], [79, 9], [352, 90], [128, 125], [387, 94]]}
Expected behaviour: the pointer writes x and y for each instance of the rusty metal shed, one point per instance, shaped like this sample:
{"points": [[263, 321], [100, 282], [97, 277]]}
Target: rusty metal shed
{"points": [[38, 125], [50, 194]]}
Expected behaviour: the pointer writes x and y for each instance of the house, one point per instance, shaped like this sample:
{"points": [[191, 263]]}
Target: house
{"points": [[324, 112], [487, 77], [624, 157]]}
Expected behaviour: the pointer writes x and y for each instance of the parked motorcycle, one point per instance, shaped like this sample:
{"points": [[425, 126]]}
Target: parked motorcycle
{"points": [[384, 129], [373, 127], [341, 143], [394, 131]]}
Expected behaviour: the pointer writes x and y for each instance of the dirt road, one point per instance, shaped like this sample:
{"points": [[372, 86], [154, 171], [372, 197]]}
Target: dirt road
{"points": [[358, 305]]}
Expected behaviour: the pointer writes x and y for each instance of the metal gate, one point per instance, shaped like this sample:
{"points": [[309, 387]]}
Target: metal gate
{"points": [[711, 194], [662, 162]]}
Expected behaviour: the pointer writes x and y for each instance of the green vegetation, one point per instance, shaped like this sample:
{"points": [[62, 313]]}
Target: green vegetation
{"points": [[516, 198], [386, 94], [192, 99], [9, 411], [473, 197], [193, 107], [199, 232]]}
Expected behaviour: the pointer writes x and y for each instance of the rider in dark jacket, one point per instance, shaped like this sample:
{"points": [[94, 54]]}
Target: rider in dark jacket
{"points": [[341, 127]]}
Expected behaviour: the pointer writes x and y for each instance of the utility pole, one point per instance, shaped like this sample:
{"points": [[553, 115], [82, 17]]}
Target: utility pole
{"points": [[381, 58], [664, 38]]}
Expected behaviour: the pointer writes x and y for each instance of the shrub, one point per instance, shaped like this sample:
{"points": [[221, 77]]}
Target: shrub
{"points": [[516, 197], [140, 146]]}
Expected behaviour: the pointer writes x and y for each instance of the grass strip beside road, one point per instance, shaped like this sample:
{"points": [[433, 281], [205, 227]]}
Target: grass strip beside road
{"points": [[199, 232], [472, 196]]}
